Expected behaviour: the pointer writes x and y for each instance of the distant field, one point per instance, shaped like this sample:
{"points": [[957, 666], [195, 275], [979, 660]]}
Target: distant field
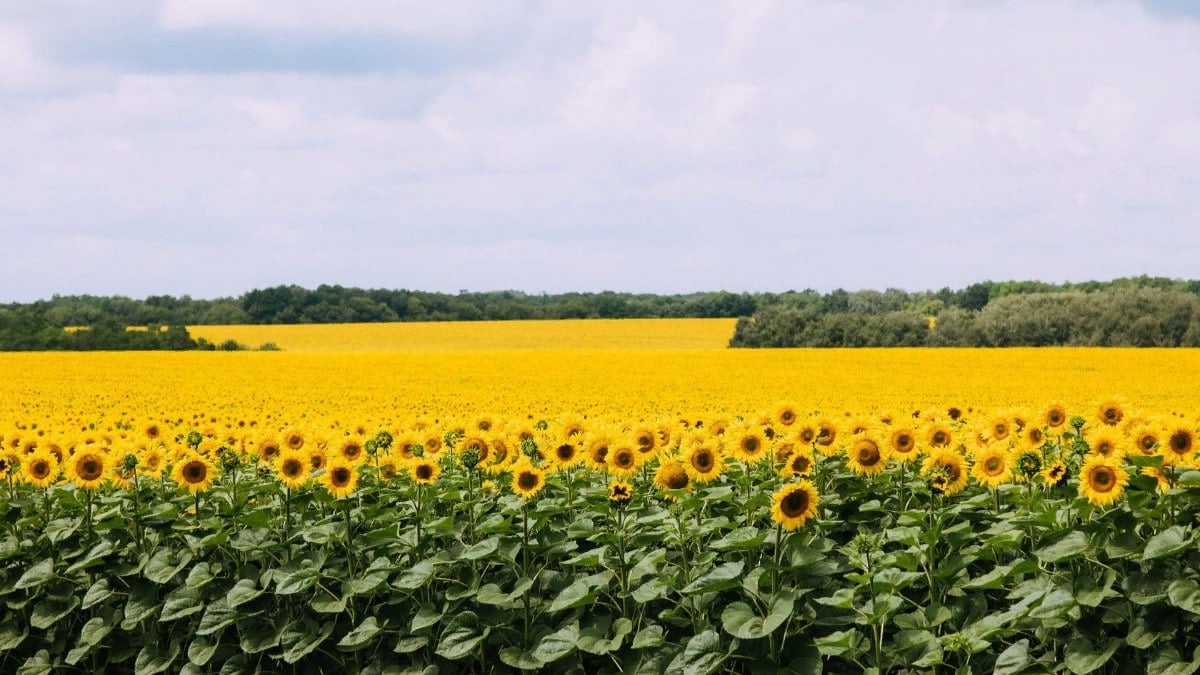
{"points": [[481, 335]]}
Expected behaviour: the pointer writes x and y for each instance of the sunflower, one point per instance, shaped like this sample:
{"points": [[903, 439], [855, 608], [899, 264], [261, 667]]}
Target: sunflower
{"points": [[1110, 412], [903, 443], [671, 476], [749, 445], [644, 440], [1032, 437], [622, 461], [566, 452], [352, 450], [993, 466], [317, 459], [1180, 444], [866, 456], [1054, 472], [571, 427], [151, 460], [597, 450], [1054, 415], [292, 467], [1104, 441], [528, 480], [703, 463], [799, 463], [194, 473], [269, 448], [87, 468], [950, 466], [620, 493], [794, 504], [151, 432], [1102, 480], [938, 435], [807, 432], [389, 466], [483, 423], [294, 439], [785, 415], [1146, 439], [424, 471], [477, 445], [827, 433], [40, 468], [340, 477], [432, 443]]}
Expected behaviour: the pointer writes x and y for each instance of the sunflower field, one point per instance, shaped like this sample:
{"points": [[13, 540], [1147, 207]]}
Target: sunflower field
{"points": [[575, 497], [1019, 540]]}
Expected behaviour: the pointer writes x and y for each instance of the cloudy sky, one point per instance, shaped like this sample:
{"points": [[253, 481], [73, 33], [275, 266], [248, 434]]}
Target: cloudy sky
{"points": [[212, 146]]}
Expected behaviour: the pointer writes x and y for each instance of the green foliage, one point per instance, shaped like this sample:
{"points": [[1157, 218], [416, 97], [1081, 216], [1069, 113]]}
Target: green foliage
{"points": [[889, 578]]}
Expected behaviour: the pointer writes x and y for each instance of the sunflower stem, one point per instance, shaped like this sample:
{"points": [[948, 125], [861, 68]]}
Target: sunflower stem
{"points": [[624, 575], [525, 565], [418, 515], [349, 537]]}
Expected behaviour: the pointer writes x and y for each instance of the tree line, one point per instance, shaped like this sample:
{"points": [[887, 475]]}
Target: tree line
{"points": [[1140, 311], [1147, 312]]}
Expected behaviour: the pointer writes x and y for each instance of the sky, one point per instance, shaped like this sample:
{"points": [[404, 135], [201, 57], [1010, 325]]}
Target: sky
{"points": [[208, 147]]}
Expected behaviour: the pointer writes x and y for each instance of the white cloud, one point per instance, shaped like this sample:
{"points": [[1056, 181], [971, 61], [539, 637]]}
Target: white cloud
{"points": [[646, 146]]}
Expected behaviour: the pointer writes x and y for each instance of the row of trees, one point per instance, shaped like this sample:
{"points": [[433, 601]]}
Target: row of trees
{"points": [[1136, 316], [25, 330]]}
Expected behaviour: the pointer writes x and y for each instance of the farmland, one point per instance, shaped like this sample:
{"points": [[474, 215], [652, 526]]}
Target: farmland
{"points": [[597, 496]]}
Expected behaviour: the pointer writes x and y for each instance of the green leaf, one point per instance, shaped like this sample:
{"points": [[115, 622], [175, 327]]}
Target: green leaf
{"points": [[12, 632], [99, 592], [142, 604], [520, 659], [741, 621], [217, 616], [165, 564], [301, 637], [154, 659], [597, 639], [181, 602], [701, 655], [592, 558], [1071, 546], [324, 603], [837, 644], [648, 637], [199, 575], [719, 578], [1081, 656], [38, 664], [461, 637], [577, 594], [242, 592], [1185, 594], [558, 644], [258, 635], [362, 634], [49, 611], [1014, 659], [741, 539], [1171, 541], [93, 633], [94, 556], [407, 645], [37, 575], [651, 590], [482, 549], [201, 651]]}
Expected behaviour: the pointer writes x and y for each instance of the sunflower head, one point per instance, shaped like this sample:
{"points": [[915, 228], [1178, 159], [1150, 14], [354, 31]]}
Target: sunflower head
{"points": [[703, 463], [527, 480], [793, 504], [1110, 412], [424, 471], [671, 476], [340, 478], [1055, 472], [292, 468], [194, 472], [1102, 480], [1054, 415], [866, 456], [620, 494], [88, 468]]}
